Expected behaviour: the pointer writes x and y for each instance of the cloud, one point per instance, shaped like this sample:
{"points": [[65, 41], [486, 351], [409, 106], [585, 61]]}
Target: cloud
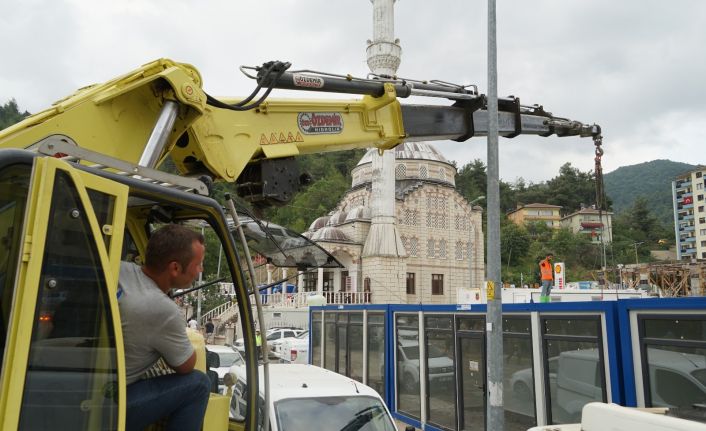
{"points": [[635, 67]]}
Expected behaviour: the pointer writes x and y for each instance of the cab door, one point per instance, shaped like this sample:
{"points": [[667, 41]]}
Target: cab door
{"points": [[63, 366]]}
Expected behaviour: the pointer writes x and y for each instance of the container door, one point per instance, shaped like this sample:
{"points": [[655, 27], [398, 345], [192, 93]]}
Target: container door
{"points": [[471, 375]]}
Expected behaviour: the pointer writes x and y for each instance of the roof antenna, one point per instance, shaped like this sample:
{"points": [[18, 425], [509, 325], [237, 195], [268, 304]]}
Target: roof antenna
{"points": [[355, 386]]}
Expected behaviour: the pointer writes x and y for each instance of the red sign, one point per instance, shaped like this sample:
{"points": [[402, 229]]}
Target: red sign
{"points": [[688, 200]]}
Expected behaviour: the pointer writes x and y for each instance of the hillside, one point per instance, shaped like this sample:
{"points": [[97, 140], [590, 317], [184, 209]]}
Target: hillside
{"points": [[653, 180]]}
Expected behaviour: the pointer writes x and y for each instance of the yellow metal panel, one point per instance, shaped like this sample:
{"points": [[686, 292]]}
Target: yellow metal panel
{"points": [[21, 320]]}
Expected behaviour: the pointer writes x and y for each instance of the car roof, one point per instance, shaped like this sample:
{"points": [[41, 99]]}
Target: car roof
{"points": [[217, 348], [307, 381]]}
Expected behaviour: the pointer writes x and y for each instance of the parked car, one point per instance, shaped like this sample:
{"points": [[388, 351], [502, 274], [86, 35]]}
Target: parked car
{"points": [[295, 350], [271, 335], [228, 357], [677, 379], [441, 366], [306, 397], [277, 346]]}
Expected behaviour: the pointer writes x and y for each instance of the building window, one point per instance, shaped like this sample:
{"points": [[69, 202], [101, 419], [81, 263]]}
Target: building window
{"points": [[413, 247], [430, 249], [459, 250], [400, 172], [437, 284], [442, 249], [702, 219], [701, 209], [703, 243], [700, 197], [423, 172], [699, 186], [702, 232], [698, 175], [410, 283]]}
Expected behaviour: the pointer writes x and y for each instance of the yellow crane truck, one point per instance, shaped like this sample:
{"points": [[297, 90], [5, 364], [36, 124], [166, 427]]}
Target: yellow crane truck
{"points": [[80, 191]]}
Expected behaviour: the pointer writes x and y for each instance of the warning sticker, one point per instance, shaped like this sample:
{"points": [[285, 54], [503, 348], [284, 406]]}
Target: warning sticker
{"points": [[320, 123], [307, 81], [280, 138], [490, 289]]}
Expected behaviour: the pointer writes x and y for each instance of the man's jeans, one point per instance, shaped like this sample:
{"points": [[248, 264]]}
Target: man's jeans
{"points": [[546, 287], [181, 398]]}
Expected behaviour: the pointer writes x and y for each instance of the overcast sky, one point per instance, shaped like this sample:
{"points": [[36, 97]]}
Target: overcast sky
{"points": [[636, 67]]}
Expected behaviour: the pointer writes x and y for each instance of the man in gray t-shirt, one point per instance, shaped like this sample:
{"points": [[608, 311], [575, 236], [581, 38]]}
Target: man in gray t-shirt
{"points": [[153, 329]]}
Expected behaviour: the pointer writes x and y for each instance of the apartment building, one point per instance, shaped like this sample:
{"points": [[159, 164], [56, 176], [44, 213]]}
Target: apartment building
{"points": [[690, 214], [535, 212], [590, 222]]}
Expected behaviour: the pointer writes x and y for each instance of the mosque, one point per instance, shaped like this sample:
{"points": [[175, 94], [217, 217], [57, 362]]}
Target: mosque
{"points": [[436, 245]]}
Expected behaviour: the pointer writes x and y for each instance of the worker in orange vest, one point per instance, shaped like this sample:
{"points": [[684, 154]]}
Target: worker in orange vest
{"points": [[546, 269]]}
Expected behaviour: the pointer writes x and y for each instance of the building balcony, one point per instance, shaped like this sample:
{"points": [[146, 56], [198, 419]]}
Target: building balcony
{"points": [[682, 185], [688, 251], [689, 239], [591, 225], [687, 228]]}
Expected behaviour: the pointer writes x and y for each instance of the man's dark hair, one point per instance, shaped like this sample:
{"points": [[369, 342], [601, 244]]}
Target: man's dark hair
{"points": [[171, 243]]}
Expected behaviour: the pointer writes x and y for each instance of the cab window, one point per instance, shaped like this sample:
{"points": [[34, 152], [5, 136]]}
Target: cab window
{"points": [[71, 380]]}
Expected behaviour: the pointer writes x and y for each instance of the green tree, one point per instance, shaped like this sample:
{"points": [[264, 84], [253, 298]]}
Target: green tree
{"points": [[10, 114], [514, 243]]}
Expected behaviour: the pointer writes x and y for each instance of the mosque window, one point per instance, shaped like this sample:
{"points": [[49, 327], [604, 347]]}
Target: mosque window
{"points": [[423, 172], [413, 247], [459, 250], [442, 249], [430, 248], [401, 172]]}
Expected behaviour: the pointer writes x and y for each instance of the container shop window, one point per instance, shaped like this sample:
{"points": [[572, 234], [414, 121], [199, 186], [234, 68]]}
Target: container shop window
{"points": [[330, 341], [673, 352], [316, 327], [376, 352], [573, 366], [410, 283], [437, 284], [519, 373], [440, 366], [407, 365], [355, 347]]}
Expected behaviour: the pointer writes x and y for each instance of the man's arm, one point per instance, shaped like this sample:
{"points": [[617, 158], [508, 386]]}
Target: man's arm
{"points": [[187, 366]]}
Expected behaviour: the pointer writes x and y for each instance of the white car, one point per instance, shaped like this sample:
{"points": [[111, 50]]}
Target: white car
{"points": [[227, 357], [277, 346], [441, 366], [295, 350], [271, 335], [306, 397]]}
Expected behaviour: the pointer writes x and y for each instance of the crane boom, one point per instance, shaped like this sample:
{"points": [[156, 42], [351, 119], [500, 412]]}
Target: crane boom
{"points": [[161, 109]]}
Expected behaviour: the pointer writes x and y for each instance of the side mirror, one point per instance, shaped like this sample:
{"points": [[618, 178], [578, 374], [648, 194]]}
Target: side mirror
{"points": [[212, 360]]}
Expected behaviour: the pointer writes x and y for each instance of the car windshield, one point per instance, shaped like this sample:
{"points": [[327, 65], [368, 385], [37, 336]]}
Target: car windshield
{"points": [[700, 375], [303, 334], [227, 359], [352, 413]]}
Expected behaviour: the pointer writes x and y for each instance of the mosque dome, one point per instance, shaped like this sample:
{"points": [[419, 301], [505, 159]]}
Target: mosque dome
{"points": [[418, 161], [411, 151], [319, 223], [359, 213], [339, 217], [331, 234]]}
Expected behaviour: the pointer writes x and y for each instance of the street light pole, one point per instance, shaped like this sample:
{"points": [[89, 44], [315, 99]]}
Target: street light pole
{"points": [[471, 241], [494, 323], [637, 262]]}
